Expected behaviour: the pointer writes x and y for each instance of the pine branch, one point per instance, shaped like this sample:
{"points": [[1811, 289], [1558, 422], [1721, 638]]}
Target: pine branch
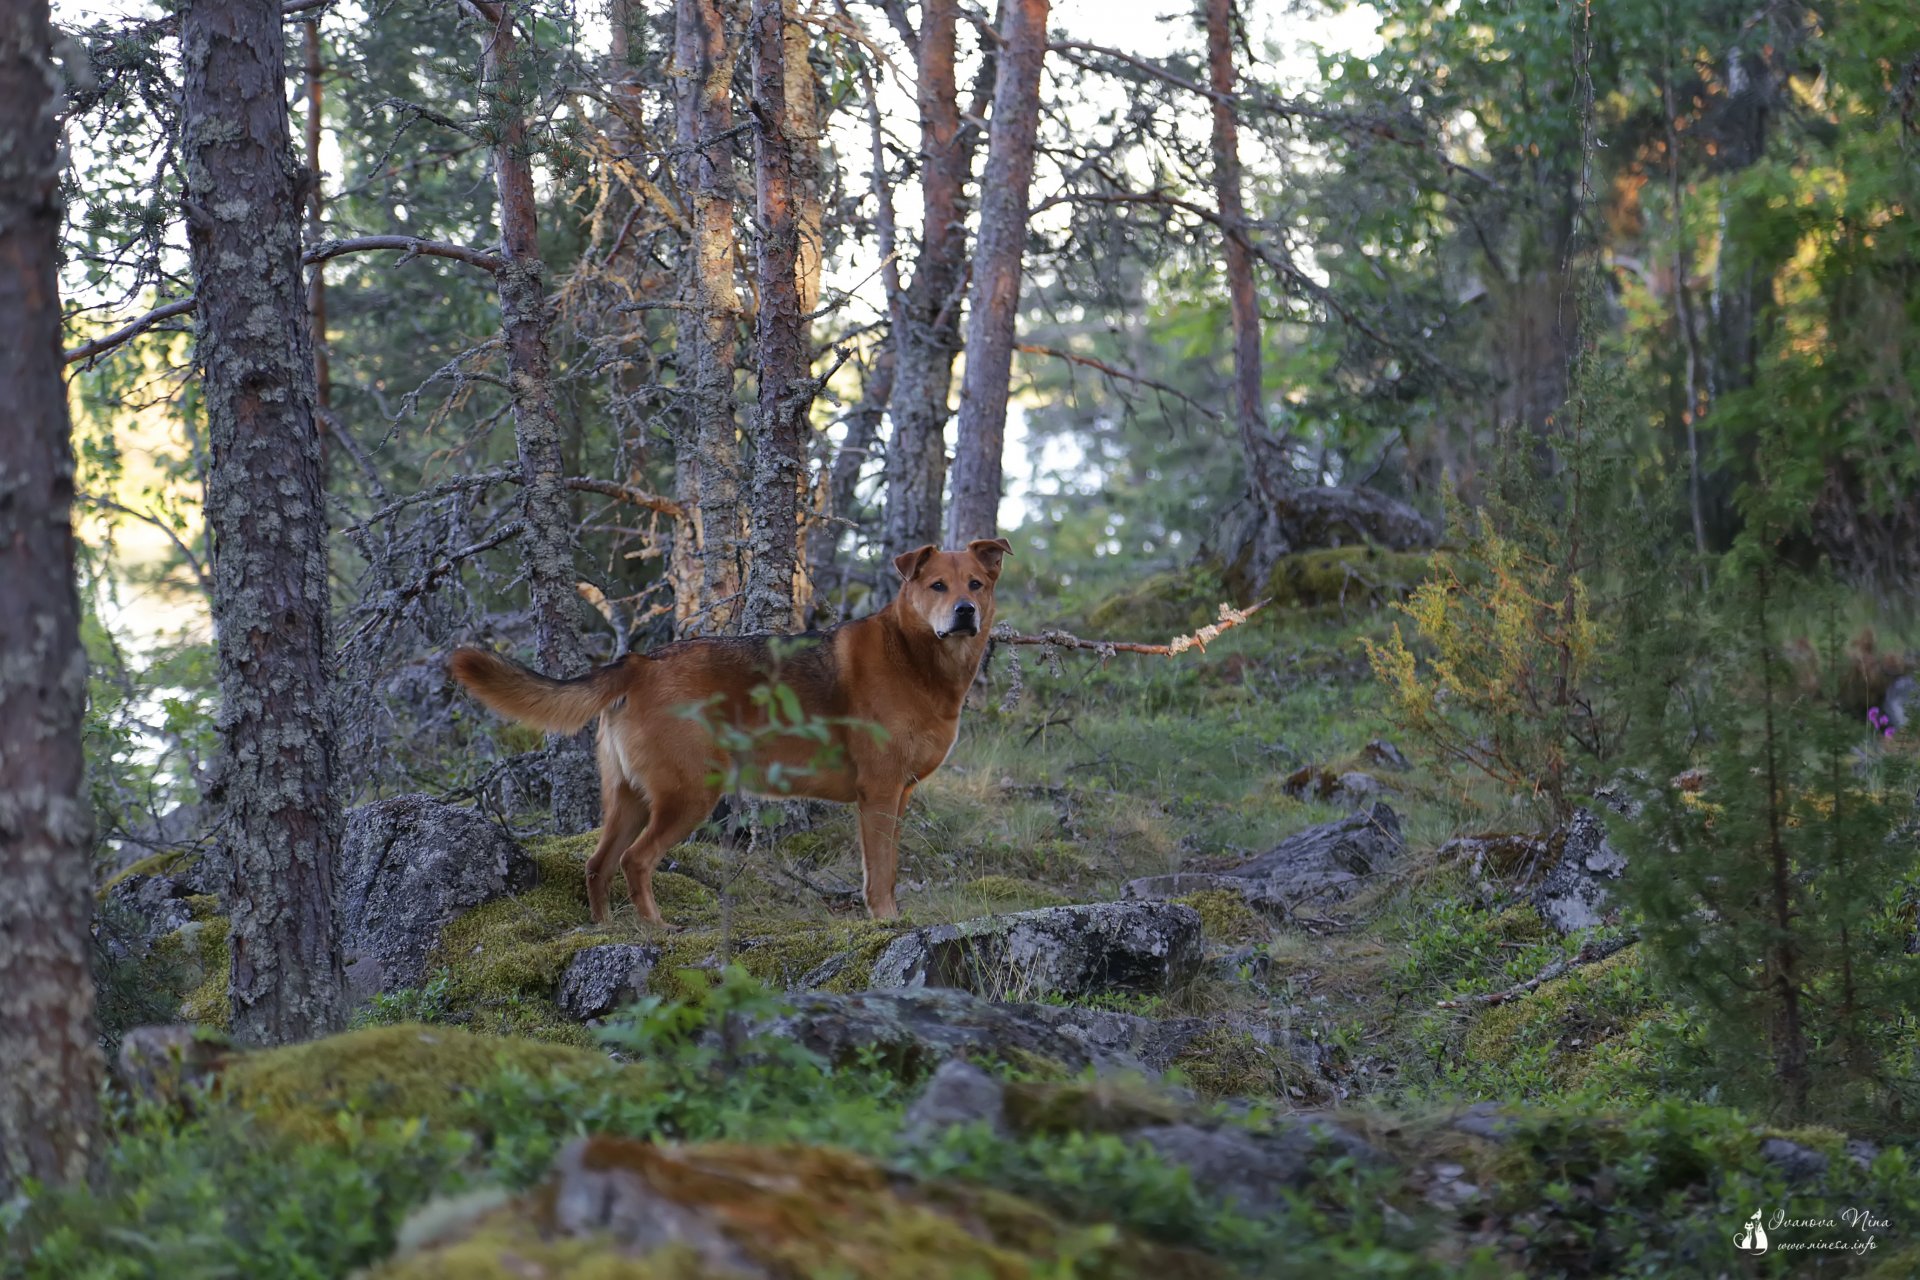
{"points": [[1593, 951]]}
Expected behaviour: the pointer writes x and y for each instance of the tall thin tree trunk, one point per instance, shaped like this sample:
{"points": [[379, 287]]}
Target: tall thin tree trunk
{"points": [[49, 1060], [863, 430], [1265, 458], [926, 314], [707, 462], [779, 456], [552, 583], [994, 301], [266, 509]]}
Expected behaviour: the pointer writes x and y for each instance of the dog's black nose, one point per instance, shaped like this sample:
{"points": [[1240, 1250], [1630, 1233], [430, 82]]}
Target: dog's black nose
{"points": [[964, 609]]}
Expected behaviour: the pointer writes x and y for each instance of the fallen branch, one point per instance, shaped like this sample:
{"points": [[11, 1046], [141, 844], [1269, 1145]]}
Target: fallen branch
{"points": [[1230, 618], [1593, 951], [1115, 372]]}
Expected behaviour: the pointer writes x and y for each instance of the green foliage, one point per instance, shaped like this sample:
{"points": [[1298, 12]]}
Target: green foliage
{"points": [[412, 1004], [1507, 686], [1771, 896]]}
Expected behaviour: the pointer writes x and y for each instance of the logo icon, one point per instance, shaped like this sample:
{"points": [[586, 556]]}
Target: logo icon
{"points": [[1752, 1237]]}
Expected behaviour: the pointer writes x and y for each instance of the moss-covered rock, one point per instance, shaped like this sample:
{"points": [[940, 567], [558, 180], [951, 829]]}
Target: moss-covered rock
{"points": [[1171, 603], [1578, 1031], [1359, 577], [1226, 917], [779, 1211], [401, 1072], [1082, 1106]]}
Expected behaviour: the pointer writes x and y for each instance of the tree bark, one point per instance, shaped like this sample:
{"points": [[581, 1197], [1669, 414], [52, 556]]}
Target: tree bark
{"points": [[316, 232], [1267, 473], [545, 506], [994, 301], [707, 466], [926, 314], [266, 509], [779, 456], [49, 1059], [863, 430]]}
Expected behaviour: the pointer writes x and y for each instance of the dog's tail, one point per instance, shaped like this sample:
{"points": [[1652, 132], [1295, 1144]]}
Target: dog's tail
{"points": [[557, 706]]}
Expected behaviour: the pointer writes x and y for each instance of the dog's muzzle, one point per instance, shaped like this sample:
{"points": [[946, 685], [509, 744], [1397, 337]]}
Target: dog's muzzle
{"points": [[966, 621]]}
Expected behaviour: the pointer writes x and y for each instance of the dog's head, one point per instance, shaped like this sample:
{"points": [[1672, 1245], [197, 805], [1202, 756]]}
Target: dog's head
{"points": [[952, 591]]}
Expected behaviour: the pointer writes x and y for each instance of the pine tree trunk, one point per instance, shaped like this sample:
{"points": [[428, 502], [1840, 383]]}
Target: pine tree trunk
{"points": [[927, 319], [707, 463], [1267, 473], [994, 301], [49, 1060], [545, 507], [779, 456], [316, 231], [863, 431], [266, 510]]}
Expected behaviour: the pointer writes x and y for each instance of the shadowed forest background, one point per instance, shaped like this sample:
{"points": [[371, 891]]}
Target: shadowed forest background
{"points": [[1526, 887]]}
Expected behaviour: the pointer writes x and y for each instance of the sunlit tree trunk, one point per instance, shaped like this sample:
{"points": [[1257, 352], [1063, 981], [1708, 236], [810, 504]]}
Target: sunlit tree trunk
{"points": [[994, 300], [266, 510], [926, 334], [49, 1061], [552, 582], [708, 576]]}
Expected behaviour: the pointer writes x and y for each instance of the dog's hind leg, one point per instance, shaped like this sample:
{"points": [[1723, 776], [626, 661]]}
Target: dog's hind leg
{"points": [[626, 816], [678, 812]]}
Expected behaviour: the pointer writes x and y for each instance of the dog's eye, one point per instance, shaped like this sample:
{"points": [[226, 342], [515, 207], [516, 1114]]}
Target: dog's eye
{"points": [[974, 585], [939, 586]]}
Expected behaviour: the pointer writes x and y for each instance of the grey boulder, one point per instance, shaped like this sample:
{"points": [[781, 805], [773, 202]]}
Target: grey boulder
{"points": [[599, 980], [1322, 864], [408, 866], [1576, 893], [1072, 951]]}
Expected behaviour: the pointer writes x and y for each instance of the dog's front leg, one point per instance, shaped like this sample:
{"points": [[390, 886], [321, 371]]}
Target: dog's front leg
{"points": [[881, 810]]}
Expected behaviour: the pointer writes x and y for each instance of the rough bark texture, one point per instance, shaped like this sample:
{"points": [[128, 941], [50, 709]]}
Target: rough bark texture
{"points": [[926, 315], [536, 426], [994, 302], [49, 1061], [707, 466], [780, 426], [266, 509], [316, 231]]}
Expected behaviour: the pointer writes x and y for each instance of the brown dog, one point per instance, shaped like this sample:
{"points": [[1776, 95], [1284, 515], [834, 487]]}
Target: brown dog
{"points": [[906, 670]]}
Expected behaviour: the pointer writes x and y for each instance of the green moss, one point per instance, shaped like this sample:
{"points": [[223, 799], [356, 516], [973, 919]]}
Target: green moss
{"points": [[779, 951], [400, 1072], [1226, 917], [1080, 1106], [203, 906], [1012, 892], [152, 865], [1521, 923], [204, 944], [1578, 1031], [1174, 603], [1353, 576], [504, 959], [1226, 1063], [800, 1211]]}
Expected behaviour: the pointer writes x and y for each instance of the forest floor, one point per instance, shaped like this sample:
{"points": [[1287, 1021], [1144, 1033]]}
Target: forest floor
{"points": [[1497, 1094]]}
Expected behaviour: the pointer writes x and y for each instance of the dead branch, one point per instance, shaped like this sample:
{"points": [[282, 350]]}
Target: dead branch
{"points": [[1593, 951], [626, 493], [1113, 371], [1230, 618], [409, 246]]}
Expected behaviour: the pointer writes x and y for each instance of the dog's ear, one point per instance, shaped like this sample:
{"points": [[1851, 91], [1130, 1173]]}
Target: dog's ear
{"points": [[910, 563], [989, 552]]}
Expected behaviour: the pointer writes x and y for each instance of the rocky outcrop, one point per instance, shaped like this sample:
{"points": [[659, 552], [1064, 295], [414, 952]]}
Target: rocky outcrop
{"points": [[599, 980], [1576, 893], [1054, 951], [1320, 865], [914, 1031], [408, 866]]}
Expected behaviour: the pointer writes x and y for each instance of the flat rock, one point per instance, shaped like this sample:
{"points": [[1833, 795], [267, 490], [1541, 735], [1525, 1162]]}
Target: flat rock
{"points": [[1576, 893], [408, 866], [1321, 864], [596, 1195], [1140, 946], [599, 980]]}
